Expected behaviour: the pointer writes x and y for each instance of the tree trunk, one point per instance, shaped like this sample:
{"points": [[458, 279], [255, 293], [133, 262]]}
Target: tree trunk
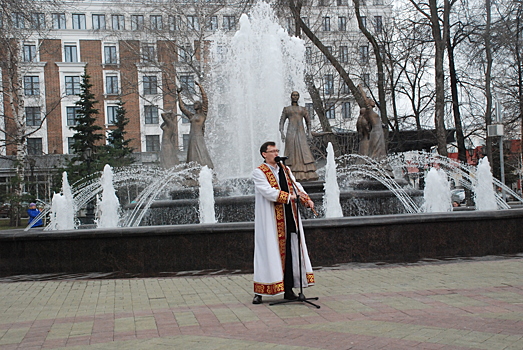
{"points": [[488, 92], [439, 43], [460, 138]]}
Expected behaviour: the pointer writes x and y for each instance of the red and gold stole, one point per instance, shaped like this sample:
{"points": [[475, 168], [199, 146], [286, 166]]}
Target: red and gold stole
{"points": [[278, 209]]}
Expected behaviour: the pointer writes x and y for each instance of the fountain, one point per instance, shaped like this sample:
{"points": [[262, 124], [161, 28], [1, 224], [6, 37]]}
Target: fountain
{"points": [[240, 119], [484, 194], [206, 197], [250, 85], [109, 205], [331, 199], [436, 192], [62, 209]]}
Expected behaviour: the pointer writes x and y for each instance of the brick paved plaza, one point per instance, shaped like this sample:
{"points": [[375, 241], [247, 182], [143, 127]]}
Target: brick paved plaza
{"points": [[475, 304]]}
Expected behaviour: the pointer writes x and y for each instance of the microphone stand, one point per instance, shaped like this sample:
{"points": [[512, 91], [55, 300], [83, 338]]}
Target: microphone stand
{"points": [[301, 297]]}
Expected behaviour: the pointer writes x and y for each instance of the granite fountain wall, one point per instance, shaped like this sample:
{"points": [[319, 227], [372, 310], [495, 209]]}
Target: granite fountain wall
{"points": [[153, 250]]}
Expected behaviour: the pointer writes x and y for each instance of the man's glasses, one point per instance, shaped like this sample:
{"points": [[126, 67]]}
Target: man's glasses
{"points": [[273, 151]]}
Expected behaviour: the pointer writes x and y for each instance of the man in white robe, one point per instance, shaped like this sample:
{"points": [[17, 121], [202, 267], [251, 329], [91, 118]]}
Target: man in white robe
{"points": [[276, 259]]}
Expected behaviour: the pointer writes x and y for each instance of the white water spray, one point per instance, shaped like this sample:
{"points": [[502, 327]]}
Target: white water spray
{"points": [[437, 192], [252, 78], [207, 215], [63, 208], [331, 198], [484, 195], [109, 206]]}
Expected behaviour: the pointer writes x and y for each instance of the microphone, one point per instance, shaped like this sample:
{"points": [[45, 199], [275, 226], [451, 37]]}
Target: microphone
{"points": [[279, 159]]}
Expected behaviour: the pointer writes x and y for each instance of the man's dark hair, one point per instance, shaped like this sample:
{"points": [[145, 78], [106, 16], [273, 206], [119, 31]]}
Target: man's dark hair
{"points": [[264, 147]]}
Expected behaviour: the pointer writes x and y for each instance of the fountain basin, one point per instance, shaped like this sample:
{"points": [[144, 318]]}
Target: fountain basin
{"points": [[241, 208], [153, 250]]}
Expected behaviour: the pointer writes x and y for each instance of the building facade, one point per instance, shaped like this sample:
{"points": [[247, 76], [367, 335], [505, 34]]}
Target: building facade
{"points": [[139, 52]]}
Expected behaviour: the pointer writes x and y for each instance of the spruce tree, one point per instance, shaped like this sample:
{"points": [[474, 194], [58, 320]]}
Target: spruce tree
{"points": [[117, 152], [87, 134]]}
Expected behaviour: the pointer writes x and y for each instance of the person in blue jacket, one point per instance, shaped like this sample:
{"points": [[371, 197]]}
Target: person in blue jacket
{"points": [[33, 212]]}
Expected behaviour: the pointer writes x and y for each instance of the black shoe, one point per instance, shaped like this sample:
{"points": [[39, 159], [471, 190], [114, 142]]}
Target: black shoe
{"points": [[289, 295], [257, 299]]}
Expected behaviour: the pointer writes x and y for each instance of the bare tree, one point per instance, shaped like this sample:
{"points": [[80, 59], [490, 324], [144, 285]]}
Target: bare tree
{"points": [[20, 21]]}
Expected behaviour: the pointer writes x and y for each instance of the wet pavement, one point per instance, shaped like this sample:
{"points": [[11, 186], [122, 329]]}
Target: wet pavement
{"points": [[432, 304]]}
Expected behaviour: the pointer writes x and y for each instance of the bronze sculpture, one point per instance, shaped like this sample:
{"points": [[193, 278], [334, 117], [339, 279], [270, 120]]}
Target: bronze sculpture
{"points": [[296, 147], [197, 150], [169, 150], [370, 130]]}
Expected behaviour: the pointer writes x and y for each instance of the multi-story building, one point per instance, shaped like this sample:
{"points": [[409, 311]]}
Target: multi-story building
{"points": [[137, 52]]}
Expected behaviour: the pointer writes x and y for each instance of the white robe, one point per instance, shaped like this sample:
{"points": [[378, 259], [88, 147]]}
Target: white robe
{"points": [[269, 249]]}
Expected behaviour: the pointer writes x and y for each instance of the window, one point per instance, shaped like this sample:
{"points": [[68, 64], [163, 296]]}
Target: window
{"points": [[378, 2], [18, 20], [344, 54], [306, 21], [192, 23], [118, 22], [34, 146], [111, 84], [152, 143], [78, 21], [148, 53], [110, 55], [174, 23], [185, 142], [151, 114], [58, 21], [310, 110], [72, 85], [72, 113], [212, 23], [187, 83], [32, 116], [345, 88], [185, 53], [37, 21], [342, 2], [71, 54], [31, 85], [342, 24], [29, 53], [112, 114], [150, 85], [137, 22], [364, 21], [328, 87], [366, 79], [70, 144], [156, 22], [345, 110], [323, 3], [308, 54], [364, 54], [185, 118], [290, 25], [325, 59], [98, 22], [378, 24], [326, 24], [330, 111], [229, 23]]}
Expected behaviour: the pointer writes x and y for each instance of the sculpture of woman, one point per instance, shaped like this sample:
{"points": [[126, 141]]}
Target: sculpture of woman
{"points": [[169, 150], [370, 130], [197, 150], [296, 147]]}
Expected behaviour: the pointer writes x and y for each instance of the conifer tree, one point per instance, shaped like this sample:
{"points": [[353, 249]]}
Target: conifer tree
{"points": [[87, 134], [117, 152]]}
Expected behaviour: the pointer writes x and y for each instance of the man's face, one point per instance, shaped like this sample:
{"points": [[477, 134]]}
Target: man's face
{"points": [[295, 97], [270, 154]]}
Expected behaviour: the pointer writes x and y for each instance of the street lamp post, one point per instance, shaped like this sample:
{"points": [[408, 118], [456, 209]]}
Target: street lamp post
{"points": [[88, 153]]}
